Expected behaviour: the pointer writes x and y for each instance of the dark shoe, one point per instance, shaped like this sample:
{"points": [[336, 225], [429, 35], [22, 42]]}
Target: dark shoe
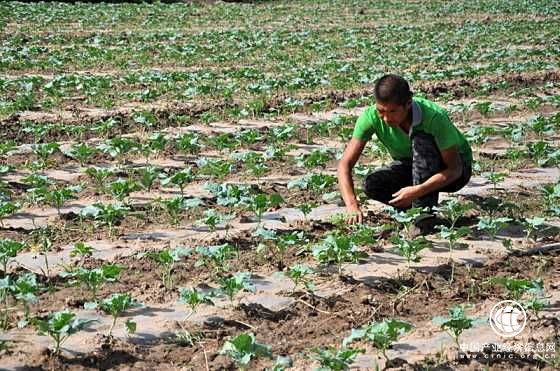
{"points": [[425, 225]]}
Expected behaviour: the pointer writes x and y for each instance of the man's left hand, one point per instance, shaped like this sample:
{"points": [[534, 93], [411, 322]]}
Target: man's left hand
{"points": [[404, 197]]}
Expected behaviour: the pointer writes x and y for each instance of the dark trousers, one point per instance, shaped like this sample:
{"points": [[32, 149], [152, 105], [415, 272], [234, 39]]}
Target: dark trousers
{"points": [[426, 161]]}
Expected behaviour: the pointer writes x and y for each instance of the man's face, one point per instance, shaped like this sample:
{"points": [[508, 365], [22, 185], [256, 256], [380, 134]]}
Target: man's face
{"points": [[393, 114]]}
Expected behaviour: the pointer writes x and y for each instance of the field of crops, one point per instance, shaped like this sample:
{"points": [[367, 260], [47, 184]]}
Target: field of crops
{"points": [[169, 200]]}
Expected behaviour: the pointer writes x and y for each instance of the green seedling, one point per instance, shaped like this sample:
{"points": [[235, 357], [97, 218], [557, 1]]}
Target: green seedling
{"points": [[213, 218], [286, 240], [119, 147], [44, 245], [106, 214], [462, 108], [507, 243], [379, 151], [282, 363], [59, 326], [456, 323], [81, 153], [256, 166], [43, 152], [58, 196], [99, 176], [484, 108], [155, 145], [148, 176], [7, 208], [532, 226], [492, 225], [452, 235], [535, 305], [104, 127], [316, 183], [278, 244], [193, 298], [278, 153], [223, 141], [216, 257], [265, 234], [81, 250], [228, 194], [75, 131], [495, 178], [218, 169], [244, 348], [173, 208], [381, 334], [406, 218], [298, 274], [24, 290], [540, 126], [122, 188], [130, 327], [5, 284], [185, 338], [188, 144], [533, 103], [262, 202], [362, 171], [238, 282], [36, 181], [316, 159], [367, 235], [281, 134], [166, 259], [38, 129], [514, 132], [116, 305], [179, 179], [514, 157], [7, 148], [93, 279], [337, 249], [249, 137], [306, 209], [479, 134], [515, 287], [145, 119], [539, 151], [551, 197], [8, 250], [333, 359], [410, 249], [453, 210], [5, 189]]}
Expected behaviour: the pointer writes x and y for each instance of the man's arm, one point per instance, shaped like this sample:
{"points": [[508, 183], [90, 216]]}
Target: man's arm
{"points": [[345, 183], [453, 170]]}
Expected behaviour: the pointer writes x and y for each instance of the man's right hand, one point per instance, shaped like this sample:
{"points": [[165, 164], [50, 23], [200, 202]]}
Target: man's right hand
{"points": [[354, 215], [344, 172]]}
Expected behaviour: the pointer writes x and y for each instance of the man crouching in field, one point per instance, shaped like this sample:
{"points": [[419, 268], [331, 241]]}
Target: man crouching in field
{"points": [[430, 155]]}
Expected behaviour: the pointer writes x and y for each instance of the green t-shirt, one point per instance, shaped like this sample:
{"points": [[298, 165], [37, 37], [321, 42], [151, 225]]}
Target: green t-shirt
{"points": [[427, 117]]}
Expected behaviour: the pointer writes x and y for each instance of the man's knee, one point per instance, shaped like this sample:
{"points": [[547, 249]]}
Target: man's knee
{"points": [[376, 185]]}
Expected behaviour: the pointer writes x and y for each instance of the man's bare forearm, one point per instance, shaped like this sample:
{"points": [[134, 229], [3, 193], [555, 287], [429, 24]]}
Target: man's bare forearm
{"points": [[438, 181], [346, 186]]}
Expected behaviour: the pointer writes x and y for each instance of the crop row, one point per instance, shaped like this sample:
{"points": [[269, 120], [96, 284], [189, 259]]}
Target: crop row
{"points": [[336, 247]]}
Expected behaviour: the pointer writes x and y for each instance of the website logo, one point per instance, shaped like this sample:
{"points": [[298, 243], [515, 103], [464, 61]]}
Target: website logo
{"points": [[508, 318]]}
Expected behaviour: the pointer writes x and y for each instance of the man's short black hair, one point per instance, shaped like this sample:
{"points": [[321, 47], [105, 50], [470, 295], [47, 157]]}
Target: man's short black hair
{"points": [[392, 89]]}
